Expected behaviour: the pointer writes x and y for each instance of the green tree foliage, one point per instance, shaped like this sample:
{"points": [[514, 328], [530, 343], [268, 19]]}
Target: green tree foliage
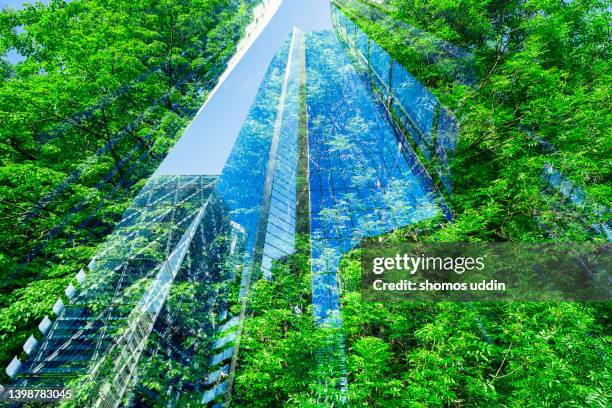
{"points": [[105, 89], [277, 359], [473, 354], [409, 354], [543, 66], [543, 75]]}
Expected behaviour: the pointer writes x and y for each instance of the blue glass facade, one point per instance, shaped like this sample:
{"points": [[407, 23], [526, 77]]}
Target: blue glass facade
{"points": [[241, 183], [362, 181], [281, 207], [432, 128]]}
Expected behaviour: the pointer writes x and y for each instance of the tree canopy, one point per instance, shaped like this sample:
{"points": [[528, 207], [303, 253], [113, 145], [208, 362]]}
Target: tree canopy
{"points": [[104, 91]]}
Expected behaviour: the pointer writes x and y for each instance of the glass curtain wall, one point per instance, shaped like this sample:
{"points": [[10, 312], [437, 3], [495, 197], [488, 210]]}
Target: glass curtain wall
{"points": [[433, 128]]}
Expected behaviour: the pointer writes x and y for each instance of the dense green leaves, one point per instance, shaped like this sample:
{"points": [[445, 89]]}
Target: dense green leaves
{"points": [[104, 90], [107, 85], [277, 359], [544, 70], [424, 354]]}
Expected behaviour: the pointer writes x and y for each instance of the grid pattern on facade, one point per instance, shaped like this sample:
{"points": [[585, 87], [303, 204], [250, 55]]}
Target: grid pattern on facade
{"points": [[281, 219], [84, 328]]}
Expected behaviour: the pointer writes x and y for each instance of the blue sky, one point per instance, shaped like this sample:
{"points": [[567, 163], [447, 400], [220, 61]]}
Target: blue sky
{"points": [[18, 3], [12, 55], [207, 142]]}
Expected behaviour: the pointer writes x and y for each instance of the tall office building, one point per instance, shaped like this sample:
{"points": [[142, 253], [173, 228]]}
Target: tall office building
{"points": [[157, 314]]}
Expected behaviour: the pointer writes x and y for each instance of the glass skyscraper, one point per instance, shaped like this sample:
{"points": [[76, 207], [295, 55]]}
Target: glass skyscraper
{"points": [[319, 154]]}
